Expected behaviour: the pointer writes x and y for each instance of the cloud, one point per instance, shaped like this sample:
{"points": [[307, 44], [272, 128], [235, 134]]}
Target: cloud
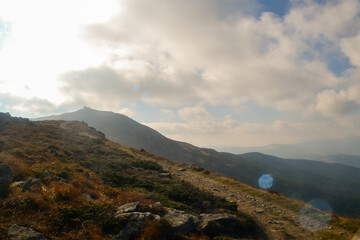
{"points": [[126, 111], [29, 107], [179, 53], [201, 127], [351, 47], [168, 112], [336, 104]]}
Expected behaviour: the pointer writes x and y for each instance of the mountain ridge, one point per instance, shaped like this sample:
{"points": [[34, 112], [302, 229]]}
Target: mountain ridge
{"points": [[302, 179]]}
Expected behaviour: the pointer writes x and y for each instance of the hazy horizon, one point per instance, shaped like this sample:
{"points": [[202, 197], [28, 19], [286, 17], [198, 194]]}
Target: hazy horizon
{"points": [[209, 72]]}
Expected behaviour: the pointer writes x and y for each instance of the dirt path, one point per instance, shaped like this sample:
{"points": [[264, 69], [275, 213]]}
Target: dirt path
{"points": [[278, 223]]}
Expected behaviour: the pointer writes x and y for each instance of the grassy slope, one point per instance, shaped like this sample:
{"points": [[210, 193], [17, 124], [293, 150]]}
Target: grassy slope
{"points": [[100, 175], [305, 180]]}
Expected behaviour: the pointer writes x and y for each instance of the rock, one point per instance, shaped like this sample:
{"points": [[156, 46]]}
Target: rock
{"points": [[5, 178], [17, 232], [164, 175], [5, 115], [180, 221], [221, 224], [58, 179], [182, 169], [259, 210], [129, 207], [136, 221], [151, 196], [30, 183]]}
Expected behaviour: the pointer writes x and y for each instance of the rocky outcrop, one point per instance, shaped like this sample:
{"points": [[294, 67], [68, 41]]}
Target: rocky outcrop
{"points": [[17, 232], [135, 223], [221, 224], [30, 183], [180, 221], [6, 176], [129, 207]]}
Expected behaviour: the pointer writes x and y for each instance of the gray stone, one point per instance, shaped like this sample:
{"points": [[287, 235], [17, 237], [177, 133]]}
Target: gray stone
{"points": [[129, 207], [164, 175], [17, 232], [136, 221], [259, 210], [6, 176], [30, 183], [151, 196], [180, 221], [221, 224]]}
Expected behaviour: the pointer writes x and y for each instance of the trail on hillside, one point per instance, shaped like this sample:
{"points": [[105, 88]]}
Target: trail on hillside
{"points": [[278, 222]]}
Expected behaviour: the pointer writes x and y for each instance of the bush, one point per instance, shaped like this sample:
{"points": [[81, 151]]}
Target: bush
{"points": [[100, 215], [147, 165]]}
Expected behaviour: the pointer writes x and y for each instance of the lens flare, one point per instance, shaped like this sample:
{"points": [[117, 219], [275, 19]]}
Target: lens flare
{"points": [[316, 215], [356, 236], [266, 181]]}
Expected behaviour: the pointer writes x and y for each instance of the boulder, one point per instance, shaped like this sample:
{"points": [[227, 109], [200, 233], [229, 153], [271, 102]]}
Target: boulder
{"points": [[221, 225], [17, 232], [135, 223], [30, 183], [180, 221], [129, 207], [164, 175], [6, 176]]}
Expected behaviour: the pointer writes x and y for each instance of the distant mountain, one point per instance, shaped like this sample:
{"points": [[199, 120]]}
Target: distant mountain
{"points": [[342, 151], [349, 160], [125, 131], [302, 179]]}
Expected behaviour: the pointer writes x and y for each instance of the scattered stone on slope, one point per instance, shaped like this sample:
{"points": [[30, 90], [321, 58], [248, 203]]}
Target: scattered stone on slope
{"points": [[180, 221], [17, 232], [5, 178], [129, 207], [164, 175], [30, 183], [221, 224], [136, 221]]}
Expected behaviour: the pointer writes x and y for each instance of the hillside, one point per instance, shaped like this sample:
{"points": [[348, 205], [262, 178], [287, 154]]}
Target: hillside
{"points": [[341, 151], [70, 182], [345, 159], [301, 179], [125, 131]]}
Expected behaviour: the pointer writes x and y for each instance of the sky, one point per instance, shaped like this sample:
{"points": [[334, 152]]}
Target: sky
{"points": [[208, 72]]}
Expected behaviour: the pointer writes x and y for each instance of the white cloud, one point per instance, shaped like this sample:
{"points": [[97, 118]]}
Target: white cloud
{"points": [[203, 57], [168, 112], [229, 132], [351, 47], [126, 111], [336, 104]]}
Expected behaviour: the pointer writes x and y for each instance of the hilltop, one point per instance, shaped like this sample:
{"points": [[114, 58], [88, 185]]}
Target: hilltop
{"points": [[70, 182], [302, 179]]}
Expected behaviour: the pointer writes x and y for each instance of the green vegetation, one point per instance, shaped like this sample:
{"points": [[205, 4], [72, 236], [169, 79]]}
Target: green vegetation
{"points": [[101, 215], [326, 235], [84, 177]]}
